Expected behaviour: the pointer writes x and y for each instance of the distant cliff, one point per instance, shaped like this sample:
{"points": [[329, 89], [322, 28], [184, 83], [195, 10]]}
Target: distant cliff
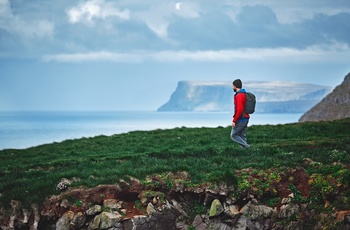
{"points": [[272, 96], [335, 105]]}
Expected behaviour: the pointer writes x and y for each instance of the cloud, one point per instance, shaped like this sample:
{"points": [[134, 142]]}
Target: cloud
{"points": [[105, 26], [257, 27], [15, 24], [310, 54], [95, 9], [161, 15]]}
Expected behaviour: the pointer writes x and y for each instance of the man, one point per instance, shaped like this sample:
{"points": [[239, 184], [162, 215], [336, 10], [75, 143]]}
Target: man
{"points": [[240, 118]]}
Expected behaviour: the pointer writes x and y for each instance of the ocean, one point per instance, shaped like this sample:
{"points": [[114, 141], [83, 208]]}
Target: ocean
{"points": [[20, 130]]}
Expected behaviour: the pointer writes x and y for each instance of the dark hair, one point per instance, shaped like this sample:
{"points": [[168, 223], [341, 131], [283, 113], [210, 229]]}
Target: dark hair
{"points": [[237, 83]]}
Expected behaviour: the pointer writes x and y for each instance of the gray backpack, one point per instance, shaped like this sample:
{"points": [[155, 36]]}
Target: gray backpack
{"points": [[250, 104]]}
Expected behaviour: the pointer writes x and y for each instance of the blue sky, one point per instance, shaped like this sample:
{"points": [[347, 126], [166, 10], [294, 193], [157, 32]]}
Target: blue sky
{"points": [[130, 54]]}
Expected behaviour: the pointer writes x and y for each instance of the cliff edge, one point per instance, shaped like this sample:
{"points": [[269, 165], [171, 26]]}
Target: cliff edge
{"points": [[335, 105]]}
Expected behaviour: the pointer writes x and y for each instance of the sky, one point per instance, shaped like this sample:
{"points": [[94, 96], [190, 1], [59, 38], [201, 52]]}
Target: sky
{"points": [[99, 55]]}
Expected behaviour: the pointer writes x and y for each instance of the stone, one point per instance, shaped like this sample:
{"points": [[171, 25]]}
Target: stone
{"points": [[78, 220], [140, 220], [181, 225], [26, 216], [63, 184], [112, 204], [64, 222], [150, 209], [219, 226], [178, 207], [108, 220], [94, 210], [233, 210], [342, 214], [286, 200], [287, 210], [216, 208], [36, 217], [118, 226], [135, 186], [259, 212], [201, 222], [95, 224]]}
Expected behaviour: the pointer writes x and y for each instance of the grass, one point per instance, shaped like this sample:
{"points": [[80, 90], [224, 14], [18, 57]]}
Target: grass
{"points": [[207, 154]]}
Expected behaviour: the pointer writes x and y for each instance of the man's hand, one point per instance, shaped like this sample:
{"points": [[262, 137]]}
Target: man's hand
{"points": [[233, 125]]}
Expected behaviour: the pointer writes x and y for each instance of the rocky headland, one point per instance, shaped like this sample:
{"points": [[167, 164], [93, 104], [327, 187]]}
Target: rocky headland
{"points": [[335, 105], [271, 96]]}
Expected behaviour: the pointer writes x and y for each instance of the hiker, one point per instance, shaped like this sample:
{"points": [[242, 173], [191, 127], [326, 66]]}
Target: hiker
{"points": [[240, 118]]}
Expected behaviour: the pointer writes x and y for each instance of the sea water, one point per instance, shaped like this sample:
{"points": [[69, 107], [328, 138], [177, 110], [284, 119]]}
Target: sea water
{"points": [[27, 129]]}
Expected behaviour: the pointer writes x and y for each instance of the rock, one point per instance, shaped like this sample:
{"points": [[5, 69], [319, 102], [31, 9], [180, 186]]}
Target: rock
{"points": [[232, 211], [258, 212], [216, 208], [219, 226], [346, 223], [64, 222], [287, 210], [181, 225], [242, 223], [342, 214], [287, 200], [112, 204], [135, 186], [209, 196], [118, 226], [209, 96], [63, 184], [93, 210], [178, 207], [124, 185], [108, 220], [140, 220], [334, 106], [36, 217], [201, 222], [150, 209], [78, 220], [95, 224]]}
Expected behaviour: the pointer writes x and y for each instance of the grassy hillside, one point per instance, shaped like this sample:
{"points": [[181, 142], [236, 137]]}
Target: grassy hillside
{"points": [[207, 154]]}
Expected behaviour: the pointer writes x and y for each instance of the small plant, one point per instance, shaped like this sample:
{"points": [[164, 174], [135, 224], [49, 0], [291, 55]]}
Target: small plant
{"points": [[297, 198], [273, 202], [78, 203]]}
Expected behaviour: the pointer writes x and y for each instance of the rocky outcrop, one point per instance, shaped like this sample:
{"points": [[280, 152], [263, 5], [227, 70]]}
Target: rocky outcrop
{"points": [[335, 105], [272, 97], [172, 202]]}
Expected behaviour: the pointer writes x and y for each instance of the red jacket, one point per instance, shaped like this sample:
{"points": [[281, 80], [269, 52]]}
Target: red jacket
{"points": [[240, 100]]}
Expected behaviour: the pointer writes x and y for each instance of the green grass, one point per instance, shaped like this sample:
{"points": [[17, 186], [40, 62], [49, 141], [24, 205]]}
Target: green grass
{"points": [[207, 154]]}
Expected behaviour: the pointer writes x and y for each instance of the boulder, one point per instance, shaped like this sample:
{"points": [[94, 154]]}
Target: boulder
{"points": [[112, 204], [93, 210], [78, 221], [64, 222], [216, 208], [108, 219], [201, 222]]}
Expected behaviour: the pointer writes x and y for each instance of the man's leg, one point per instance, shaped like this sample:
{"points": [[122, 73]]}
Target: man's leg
{"points": [[238, 133]]}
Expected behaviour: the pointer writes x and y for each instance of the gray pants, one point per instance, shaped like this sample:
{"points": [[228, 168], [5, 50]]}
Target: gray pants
{"points": [[238, 134]]}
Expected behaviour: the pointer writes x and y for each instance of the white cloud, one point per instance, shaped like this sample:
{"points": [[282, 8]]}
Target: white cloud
{"points": [[15, 24], [310, 54], [86, 12]]}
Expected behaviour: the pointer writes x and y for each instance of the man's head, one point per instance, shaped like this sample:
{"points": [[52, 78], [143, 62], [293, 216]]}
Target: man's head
{"points": [[236, 85]]}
